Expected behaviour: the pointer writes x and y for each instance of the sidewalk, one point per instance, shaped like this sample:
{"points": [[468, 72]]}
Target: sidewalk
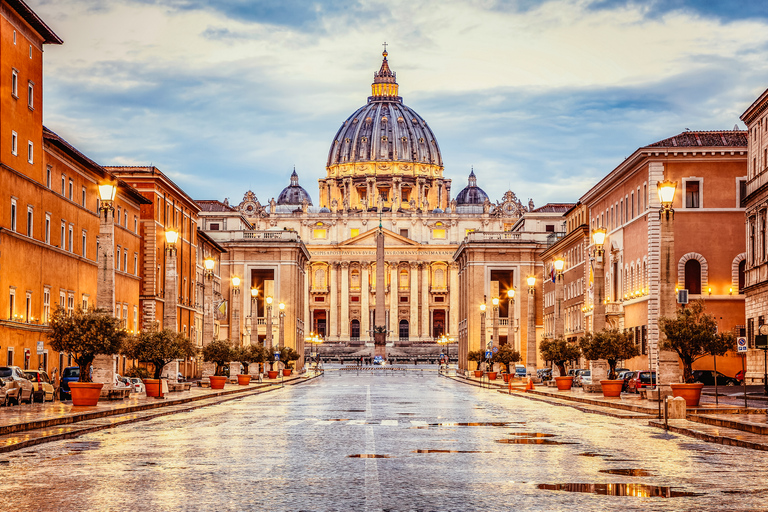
{"points": [[28, 425], [727, 424]]}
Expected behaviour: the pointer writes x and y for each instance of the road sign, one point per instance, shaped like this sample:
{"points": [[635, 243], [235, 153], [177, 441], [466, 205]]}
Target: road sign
{"points": [[40, 347], [495, 349], [741, 343], [487, 354], [277, 356]]}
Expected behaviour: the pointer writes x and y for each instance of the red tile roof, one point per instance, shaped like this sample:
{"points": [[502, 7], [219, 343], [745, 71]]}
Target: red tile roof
{"points": [[724, 138], [212, 205], [554, 208]]}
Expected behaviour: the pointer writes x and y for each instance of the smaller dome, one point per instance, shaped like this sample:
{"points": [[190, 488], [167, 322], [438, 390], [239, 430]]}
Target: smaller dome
{"points": [[324, 210], [437, 210], [471, 194], [293, 194]]}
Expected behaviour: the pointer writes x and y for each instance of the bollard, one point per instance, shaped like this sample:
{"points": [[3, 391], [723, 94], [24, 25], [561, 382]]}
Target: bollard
{"points": [[675, 408]]}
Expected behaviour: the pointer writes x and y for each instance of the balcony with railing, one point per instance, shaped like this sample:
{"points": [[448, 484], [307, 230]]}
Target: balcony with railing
{"points": [[266, 235]]}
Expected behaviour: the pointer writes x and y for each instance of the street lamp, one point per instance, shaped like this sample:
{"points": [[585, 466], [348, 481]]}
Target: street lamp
{"points": [[511, 335], [598, 238], [105, 292], [208, 264], [482, 326], [269, 322], [495, 302], [236, 285], [281, 316], [171, 294], [530, 335], [666, 191], [559, 266], [598, 299]]}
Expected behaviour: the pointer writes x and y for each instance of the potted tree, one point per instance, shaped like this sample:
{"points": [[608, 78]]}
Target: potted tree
{"points": [[288, 356], [220, 353], [506, 356], [693, 334], [559, 351], [246, 355], [613, 346], [85, 335], [158, 348], [478, 356]]}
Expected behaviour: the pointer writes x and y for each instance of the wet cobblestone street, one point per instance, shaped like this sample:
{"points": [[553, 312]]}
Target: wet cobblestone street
{"points": [[410, 441]]}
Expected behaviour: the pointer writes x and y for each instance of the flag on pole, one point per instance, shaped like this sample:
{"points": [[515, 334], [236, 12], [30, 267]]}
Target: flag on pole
{"points": [[221, 309], [552, 273]]}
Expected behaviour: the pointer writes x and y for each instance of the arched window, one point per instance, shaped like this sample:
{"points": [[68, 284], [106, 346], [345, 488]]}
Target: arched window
{"points": [[439, 278], [403, 330], [693, 276], [404, 279], [354, 279], [354, 330]]}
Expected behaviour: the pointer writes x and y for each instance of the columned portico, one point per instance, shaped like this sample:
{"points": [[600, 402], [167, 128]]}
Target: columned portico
{"points": [[344, 299], [365, 308]]}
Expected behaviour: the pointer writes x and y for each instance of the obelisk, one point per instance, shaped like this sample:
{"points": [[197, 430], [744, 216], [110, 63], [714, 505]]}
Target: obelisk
{"points": [[379, 321]]}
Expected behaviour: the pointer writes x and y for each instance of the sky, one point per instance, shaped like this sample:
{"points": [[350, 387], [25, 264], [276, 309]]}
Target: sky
{"points": [[540, 97]]}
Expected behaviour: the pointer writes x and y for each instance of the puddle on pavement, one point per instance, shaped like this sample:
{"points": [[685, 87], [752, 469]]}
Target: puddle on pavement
{"points": [[355, 410], [337, 419], [476, 424], [591, 454], [368, 456], [530, 434], [5, 462], [531, 441], [449, 451], [407, 413], [634, 490], [627, 472]]}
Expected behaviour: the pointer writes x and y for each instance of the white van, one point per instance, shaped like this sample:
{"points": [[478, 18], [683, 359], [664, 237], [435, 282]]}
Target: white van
{"points": [[520, 370]]}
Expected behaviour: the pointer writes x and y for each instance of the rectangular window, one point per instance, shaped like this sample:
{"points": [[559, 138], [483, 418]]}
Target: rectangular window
{"points": [[354, 232], [48, 176], [692, 194], [30, 220], [135, 224], [85, 244], [117, 217], [404, 233], [15, 83], [117, 259], [741, 191], [10, 356], [63, 239], [135, 318], [319, 233], [125, 219], [135, 264], [63, 184], [645, 197], [46, 305], [28, 308], [85, 302], [14, 42], [438, 234], [13, 214], [70, 243], [125, 316], [62, 299], [14, 143], [71, 189], [31, 95], [83, 198], [12, 304], [30, 152], [70, 303], [48, 228], [125, 261]]}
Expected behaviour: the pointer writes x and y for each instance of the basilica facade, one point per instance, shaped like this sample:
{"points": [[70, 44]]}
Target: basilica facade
{"points": [[384, 170]]}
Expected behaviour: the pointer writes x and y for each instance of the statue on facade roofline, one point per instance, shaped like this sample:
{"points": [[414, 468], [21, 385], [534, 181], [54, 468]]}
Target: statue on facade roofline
{"points": [[272, 205]]}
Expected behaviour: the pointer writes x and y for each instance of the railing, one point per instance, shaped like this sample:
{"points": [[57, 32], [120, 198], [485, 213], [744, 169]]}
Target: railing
{"points": [[758, 181], [275, 235], [480, 236], [552, 238]]}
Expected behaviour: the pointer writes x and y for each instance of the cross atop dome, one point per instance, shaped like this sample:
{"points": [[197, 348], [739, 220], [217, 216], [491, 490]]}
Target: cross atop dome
{"points": [[384, 86]]}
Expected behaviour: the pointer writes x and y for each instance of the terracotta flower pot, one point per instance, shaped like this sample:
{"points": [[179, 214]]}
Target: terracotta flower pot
{"points": [[272, 374], [243, 380], [478, 373], [287, 372], [85, 393], [611, 388], [691, 393], [564, 383], [492, 375], [217, 381], [507, 376], [153, 387]]}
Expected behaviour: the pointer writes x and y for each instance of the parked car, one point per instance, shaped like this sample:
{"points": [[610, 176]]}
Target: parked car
{"points": [[619, 370], [520, 370], [584, 377], [576, 376], [740, 376], [544, 374], [707, 377], [626, 377], [121, 382], [643, 379], [180, 377], [42, 385], [70, 374], [137, 385], [378, 360], [18, 386]]}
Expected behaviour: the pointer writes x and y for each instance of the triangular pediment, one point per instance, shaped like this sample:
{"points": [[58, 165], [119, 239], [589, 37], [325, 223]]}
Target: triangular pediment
{"points": [[369, 239]]}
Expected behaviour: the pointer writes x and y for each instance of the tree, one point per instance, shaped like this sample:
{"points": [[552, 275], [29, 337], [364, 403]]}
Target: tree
{"points": [[477, 356], [288, 355], [559, 351], [159, 348], [248, 354], [219, 352], [609, 344], [693, 334], [85, 335], [505, 356]]}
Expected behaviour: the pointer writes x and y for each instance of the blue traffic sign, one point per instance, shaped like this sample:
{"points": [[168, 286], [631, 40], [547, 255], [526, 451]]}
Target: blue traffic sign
{"points": [[495, 349], [277, 356], [487, 354]]}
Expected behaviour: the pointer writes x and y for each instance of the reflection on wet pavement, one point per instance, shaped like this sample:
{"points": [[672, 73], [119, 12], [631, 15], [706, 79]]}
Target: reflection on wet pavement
{"points": [[636, 490], [627, 472]]}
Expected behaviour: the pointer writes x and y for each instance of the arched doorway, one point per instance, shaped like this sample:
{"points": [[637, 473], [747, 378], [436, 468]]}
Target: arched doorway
{"points": [[438, 323], [693, 276], [404, 330], [354, 330]]}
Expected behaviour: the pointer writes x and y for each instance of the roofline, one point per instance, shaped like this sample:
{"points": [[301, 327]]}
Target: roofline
{"points": [[204, 236], [755, 109], [31, 17], [151, 171], [56, 140], [581, 229]]}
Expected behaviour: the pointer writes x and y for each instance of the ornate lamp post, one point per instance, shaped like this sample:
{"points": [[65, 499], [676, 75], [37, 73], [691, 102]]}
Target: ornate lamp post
{"points": [[171, 294], [254, 294], [483, 345], [530, 352], [511, 332], [269, 321], [667, 365], [559, 295], [235, 320], [105, 292], [208, 273], [281, 317], [495, 302], [598, 286]]}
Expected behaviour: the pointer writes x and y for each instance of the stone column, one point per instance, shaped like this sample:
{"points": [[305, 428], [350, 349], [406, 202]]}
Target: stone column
{"points": [[393, 299], [333, 329], [669, 371], [308, 327], [207, 311], [453, 298], [345, 300], [559, 306], [598, 295], [171, 292], [425, 334], [365, 308], [530, 338], [105, 287], [413, 321], [234, 323]]}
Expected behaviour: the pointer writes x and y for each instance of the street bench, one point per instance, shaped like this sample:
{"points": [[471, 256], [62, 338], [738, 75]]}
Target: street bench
{"points": [[118, 394], [179, 386]]}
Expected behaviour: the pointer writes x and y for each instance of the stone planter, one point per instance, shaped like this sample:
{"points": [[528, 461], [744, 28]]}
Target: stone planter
{"points": [[611, 388], [564, 383], [287, 372], [478, 373], [506, 376], [492, 375], [153, 387], [217, 381], [272, 374], [243, 380], [690, 392], [85, 393]]}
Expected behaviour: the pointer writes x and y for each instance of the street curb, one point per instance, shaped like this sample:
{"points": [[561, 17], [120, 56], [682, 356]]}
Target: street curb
{"points": [[703, 436]]}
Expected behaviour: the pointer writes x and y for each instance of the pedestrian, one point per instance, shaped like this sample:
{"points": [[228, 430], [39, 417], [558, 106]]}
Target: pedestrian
{"points": [[56, 383]]}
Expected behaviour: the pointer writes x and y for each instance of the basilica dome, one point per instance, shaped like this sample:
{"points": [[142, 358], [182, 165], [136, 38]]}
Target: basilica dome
{"points": [[294, 194], [471, 194], [384, 130]]}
